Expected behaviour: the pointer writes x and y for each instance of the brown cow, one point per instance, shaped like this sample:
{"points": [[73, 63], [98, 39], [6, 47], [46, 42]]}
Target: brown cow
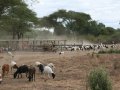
{"points": [[5, 69]]}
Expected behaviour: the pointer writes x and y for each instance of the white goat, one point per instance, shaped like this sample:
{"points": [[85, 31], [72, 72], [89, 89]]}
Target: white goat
{"points": [[52, 66], [61, 52], [0, 78], [46, 70], [13, 65], [37, 63], [49, 71], [10, 53]]}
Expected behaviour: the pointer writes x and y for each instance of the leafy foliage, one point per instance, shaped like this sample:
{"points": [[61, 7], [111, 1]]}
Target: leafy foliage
{"points": [[76, 23], [116, 64], [109, 51], [98, 80], [16, 18]]}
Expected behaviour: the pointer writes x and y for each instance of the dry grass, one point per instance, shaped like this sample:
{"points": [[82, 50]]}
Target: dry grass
{"points": [[71, 71]]}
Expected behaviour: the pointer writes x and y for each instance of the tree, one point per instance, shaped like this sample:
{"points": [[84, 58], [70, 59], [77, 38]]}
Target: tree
{"points": [[68, 21], [17, 17], [76, 23], [6, 5]]}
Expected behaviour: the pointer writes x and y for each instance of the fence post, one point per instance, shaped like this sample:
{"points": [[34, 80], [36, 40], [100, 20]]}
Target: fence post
{"points": [[33, 45]]}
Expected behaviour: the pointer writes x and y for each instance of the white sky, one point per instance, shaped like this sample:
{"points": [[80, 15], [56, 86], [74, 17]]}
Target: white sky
{"points": [[105, 11]]}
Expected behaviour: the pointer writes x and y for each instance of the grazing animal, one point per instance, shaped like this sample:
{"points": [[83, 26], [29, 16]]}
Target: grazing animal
{"points": [[49, 71], [13, 65], [0, 78], [1, 49], [46, 70], [20, 70], [75, 48], [31, 73], [52, 66], [41, 68], [5, 69], [10, 53], [61, 53], [37, 63]]}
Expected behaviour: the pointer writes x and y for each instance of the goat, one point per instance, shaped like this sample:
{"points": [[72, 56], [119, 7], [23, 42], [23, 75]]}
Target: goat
{"points": [[31, 73], [75, 48], [41, 68], [37, 63], [51, 65], [10, 53], [0, 78], [5, 69], [61, 52], [13, 65], [47, 70], [1, 49], [20, 70]]}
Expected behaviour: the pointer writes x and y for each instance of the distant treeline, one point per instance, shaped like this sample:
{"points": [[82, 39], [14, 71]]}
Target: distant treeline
{"points": [[79, 24], [18, 21]]}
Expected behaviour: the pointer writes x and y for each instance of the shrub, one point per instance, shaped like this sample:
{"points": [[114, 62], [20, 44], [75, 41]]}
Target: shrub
{"points": [[116, 64], [98, 80], [101, 52], [109, 51], [97, 55]]}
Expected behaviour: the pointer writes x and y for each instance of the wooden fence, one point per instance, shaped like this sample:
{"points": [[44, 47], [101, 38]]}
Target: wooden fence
{"points": [[33, 45]]}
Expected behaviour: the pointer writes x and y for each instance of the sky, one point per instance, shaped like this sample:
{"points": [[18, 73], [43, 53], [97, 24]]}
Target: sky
{"points": [[104, 11]]}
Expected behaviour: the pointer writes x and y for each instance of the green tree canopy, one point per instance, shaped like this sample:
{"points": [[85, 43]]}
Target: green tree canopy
{"points": [[16, 18]]}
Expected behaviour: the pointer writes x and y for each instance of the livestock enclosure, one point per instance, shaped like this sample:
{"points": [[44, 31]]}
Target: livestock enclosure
{"points": [[31, 45]]}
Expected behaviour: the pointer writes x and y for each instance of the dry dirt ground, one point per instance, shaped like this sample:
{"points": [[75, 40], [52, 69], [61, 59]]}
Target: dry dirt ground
{"points": [[71, 70]]}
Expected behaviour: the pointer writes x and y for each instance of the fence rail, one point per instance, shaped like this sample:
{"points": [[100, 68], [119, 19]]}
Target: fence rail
{"points": [[29, 44]]}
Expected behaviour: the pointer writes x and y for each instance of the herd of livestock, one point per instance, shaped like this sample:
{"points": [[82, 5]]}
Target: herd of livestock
{"points": [[29, 70], [69, 47], [48, 69], [88, 47]]}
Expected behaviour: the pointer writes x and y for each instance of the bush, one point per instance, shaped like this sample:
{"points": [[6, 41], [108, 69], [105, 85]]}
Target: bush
{"points": [[116, 64], [101, 52], [98, 80], [109, 51]]}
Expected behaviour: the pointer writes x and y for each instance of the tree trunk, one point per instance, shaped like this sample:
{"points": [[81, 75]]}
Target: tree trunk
{"points": [[13, 35], [18, 36]]}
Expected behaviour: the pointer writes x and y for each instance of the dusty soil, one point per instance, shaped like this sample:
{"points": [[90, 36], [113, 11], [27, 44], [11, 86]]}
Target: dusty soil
{"points": [[71, 70]]}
